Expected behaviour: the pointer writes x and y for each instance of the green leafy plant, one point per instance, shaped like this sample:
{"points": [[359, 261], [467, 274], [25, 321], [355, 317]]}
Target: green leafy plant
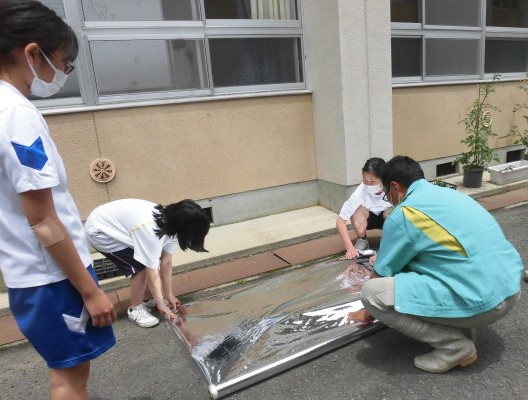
{"points": [[478, 128], [515, 130], [441, 183]]}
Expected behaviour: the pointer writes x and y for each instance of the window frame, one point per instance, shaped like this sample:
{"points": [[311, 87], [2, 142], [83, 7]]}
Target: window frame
{"points": [[202, 29], [482, 33]]}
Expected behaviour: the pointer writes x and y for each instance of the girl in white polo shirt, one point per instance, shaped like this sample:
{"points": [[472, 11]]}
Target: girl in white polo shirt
{"points": [[365, 209], [44, 258]]}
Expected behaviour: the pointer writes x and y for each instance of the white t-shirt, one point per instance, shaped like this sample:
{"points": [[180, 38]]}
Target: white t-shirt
{"points": [[362, 197], [29, 160], [128, 223]]}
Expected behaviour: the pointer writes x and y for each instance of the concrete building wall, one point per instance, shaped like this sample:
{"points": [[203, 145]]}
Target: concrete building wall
{"points": [[426, 119], [198, 150], [347, 46]]}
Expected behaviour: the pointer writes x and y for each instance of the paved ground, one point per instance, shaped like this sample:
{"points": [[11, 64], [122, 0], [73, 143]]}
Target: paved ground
{"points": [[150, 364]]}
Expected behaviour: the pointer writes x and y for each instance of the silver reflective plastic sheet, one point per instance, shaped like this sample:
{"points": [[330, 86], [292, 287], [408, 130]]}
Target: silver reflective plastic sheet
{"points": [[245, 334]]}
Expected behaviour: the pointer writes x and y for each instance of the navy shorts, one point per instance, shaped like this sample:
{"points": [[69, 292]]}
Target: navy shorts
{"points": [[54, 320], [125, 262], [375, 221]]}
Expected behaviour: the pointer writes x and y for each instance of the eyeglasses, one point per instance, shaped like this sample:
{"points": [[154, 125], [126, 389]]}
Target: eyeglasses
{"points": [[68, 68]]}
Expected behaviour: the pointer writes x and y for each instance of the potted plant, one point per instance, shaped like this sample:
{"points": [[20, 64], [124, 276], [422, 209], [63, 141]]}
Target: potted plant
{"points": [[478, 128]]}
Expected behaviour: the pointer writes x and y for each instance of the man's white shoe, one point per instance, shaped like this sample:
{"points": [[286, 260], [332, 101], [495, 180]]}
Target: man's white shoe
{"points": [[142, 317]]}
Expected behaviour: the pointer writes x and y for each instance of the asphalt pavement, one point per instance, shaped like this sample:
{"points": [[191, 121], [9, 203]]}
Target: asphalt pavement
{"points": [[151, 364]]}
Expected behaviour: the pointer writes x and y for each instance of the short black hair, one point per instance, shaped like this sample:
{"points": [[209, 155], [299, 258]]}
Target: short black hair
{"points": [[186, 220], [26, 21], [373, 165], [401, 169]]}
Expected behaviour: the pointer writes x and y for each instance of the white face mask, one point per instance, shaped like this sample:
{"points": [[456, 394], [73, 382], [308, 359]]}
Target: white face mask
{"points": [[41, 88], [374, 189]]}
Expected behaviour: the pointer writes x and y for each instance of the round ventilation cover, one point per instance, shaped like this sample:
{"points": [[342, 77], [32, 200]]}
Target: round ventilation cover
{"points": [[102, 170]]}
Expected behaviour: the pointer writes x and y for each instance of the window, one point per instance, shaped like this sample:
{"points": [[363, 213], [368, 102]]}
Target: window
{"points": [[506, 55], [136, 66], [452, 12], [511, 13], [126, 10], [406, 57], [250, 9], [405, 11], [166, 49], [458, 40], [255, 61], [451, 57]]}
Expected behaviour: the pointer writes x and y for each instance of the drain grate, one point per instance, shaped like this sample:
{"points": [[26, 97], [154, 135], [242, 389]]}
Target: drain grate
{"points": [[104, 268]]}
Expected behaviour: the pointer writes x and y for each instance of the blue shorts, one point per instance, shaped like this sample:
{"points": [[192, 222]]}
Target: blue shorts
{"points": [[54, 320]]}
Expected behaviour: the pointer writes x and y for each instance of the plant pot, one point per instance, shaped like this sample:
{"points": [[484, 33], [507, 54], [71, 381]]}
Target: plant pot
{"points": [[472, 178], [509, 172]]}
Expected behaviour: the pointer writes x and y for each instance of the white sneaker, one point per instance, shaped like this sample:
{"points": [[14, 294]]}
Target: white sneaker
{"points": [[142, 317], [151, 303], [361, 244]]}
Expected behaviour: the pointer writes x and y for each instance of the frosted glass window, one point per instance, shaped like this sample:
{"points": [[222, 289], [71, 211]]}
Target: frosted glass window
{"points": [[140, 10], [71, 87], [250, 9], [503, 56], [255, 61], [405, 11], [452, 12], [406, 57], [509, 13], [452, 57], [132, 66]]}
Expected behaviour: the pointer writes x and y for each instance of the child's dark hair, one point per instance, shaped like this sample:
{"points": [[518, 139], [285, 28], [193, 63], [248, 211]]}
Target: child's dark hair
{"points": [[373, 165], [26, 21], [186, 220], [401, 169]]}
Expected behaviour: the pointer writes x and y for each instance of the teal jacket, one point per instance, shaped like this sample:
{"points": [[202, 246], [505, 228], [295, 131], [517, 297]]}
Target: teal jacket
{"points": [[448, 255]]}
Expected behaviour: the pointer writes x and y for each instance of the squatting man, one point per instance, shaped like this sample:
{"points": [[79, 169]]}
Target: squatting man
{"points": [[443, 270]]}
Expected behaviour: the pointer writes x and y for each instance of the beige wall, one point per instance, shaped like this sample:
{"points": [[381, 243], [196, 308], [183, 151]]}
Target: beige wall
{"points": [[425, 119], [193, 150]]}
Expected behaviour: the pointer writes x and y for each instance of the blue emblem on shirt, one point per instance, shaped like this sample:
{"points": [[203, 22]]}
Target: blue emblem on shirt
{"points": [[33, 156]]}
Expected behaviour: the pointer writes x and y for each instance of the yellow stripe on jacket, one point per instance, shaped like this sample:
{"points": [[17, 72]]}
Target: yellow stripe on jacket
{"points": [[433, 230]]}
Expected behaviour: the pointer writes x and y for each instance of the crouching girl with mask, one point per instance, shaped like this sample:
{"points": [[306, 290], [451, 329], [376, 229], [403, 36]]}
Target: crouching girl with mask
{"points": [[365, 209]]}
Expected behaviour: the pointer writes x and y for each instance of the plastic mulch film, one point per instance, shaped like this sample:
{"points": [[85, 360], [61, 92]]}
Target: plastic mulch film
{"points": [[245, 334]]}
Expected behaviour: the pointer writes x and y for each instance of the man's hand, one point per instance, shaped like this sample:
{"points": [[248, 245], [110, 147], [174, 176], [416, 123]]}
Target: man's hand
{"points": [[360, 316], [100, 309]]}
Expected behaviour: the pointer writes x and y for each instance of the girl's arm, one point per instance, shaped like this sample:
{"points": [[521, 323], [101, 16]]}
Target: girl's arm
{"points": [[166, 282], [351, 252], [39, 208]]}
